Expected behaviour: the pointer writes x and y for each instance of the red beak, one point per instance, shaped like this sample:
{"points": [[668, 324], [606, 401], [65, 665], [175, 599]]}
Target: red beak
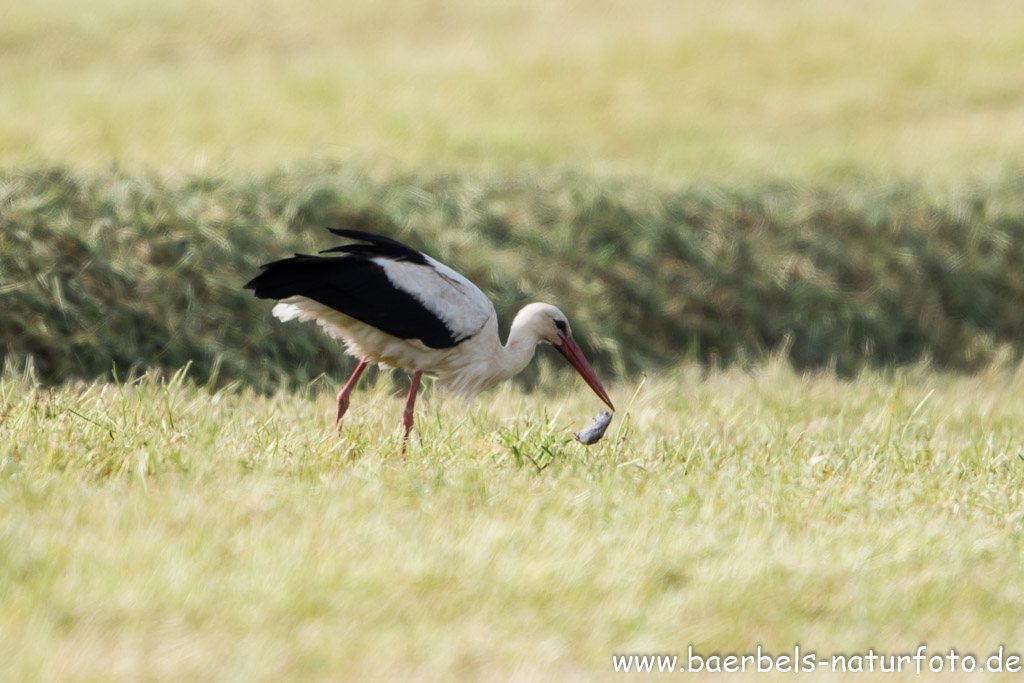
{"points": [[573, 354]]}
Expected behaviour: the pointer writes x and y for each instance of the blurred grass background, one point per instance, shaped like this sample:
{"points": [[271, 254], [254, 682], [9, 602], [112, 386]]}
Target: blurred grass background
{"points": [[692, 180], [676, 90]]}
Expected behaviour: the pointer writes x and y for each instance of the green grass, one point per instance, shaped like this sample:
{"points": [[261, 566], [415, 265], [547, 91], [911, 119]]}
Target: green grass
{"points": [[695, 89], [160, 530], [210, 525]]}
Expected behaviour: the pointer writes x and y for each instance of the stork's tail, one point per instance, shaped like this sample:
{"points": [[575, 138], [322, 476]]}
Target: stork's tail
{"points": [[289, 277]]}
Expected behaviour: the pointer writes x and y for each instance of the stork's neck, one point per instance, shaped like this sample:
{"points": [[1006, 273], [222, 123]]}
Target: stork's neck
{"points": [[518, 350], [482, 361]]}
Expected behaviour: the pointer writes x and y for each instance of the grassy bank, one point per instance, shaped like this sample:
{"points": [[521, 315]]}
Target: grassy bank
{"points": [[159, 530], [105, 270]]}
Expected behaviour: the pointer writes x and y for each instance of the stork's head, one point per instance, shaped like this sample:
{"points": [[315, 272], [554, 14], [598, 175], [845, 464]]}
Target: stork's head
{"points": [[550, 325]]}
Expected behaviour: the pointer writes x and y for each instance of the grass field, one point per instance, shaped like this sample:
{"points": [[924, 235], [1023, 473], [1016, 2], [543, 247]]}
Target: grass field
{"points": [[158, 530], [822, 184], [672, 89]]}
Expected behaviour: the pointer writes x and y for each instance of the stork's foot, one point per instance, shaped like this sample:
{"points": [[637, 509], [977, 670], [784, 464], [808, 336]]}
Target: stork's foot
{"points": [[410, 404], [342, 407], [347, 391], [408, 425]]}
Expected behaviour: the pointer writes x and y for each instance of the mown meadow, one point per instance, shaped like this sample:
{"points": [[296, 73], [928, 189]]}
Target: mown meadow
{"points": [[789, 238], [162, 530]]}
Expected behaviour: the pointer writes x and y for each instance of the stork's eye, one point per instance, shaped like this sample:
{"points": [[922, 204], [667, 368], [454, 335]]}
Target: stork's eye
{"points": [[560, 324]]}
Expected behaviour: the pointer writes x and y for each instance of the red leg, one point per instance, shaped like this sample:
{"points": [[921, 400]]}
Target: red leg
{"points": [[409, 404], [349, 386]]}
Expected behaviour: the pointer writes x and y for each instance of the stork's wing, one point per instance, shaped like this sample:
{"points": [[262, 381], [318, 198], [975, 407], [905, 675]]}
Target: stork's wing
{"points": [[385, 284]]}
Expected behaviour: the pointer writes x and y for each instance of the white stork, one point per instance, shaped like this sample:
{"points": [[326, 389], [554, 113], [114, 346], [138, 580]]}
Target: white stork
{"points": [[397, 307]]}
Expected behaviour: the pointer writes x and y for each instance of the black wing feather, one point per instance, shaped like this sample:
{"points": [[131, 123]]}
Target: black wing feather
{"points": [[378, 246], [356, 286]]}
